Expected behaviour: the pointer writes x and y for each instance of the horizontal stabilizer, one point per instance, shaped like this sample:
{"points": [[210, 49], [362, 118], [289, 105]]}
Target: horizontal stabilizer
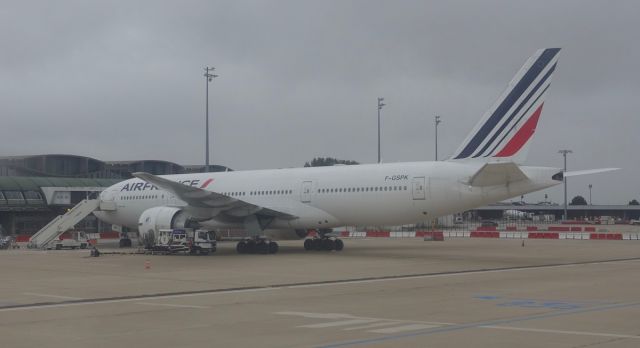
{"points": [[492, 174], [589, 171]]}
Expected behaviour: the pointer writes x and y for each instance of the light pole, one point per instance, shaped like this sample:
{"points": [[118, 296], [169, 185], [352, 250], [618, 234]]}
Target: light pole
{"points": [[208, 74], [380, 105], [564, 179], [437, 119], [590, 187]]}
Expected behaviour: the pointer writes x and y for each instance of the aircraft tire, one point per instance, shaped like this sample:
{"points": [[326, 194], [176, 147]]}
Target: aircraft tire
{"points": [[339, 245], [251, 246], [262, 248], [308, 244], [328, 244], [317, 244]]}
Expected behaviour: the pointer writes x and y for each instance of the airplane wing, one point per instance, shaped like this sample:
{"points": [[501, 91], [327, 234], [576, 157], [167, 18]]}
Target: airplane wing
{"points": [[200, 198], [497, 174]]}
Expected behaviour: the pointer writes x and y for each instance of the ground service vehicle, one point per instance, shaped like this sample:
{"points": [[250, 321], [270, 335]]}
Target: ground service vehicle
{"points": [[200, 242], [78, 240]]}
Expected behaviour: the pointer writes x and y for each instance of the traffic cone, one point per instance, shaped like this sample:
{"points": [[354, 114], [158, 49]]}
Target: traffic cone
{"points": [[147, 264]]}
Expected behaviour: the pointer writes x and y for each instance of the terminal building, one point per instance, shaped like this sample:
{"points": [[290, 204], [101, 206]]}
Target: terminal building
{"points": [[35, 189]]}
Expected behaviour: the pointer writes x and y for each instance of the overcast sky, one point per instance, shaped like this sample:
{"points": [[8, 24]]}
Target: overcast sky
{"points": [[122, 80]]}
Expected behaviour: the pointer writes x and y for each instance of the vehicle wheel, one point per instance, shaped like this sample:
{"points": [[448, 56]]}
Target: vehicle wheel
{"points": [[73, 248], [317, 244], [328, 244], [251, 247], [241, 248], [213, 250], [339, 245], [58, 246], [83, 246], [273, 247]]}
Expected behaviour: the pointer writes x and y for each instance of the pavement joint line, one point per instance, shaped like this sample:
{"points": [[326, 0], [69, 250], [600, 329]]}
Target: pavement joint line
{"points": [[483, 324], [180, 294]]}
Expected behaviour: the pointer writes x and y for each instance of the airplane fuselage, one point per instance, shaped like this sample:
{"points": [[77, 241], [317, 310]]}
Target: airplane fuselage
{"points": [[326, 197]]}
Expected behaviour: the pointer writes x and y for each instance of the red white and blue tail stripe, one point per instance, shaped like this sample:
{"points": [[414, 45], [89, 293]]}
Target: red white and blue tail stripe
{"points": [[506, 129]]}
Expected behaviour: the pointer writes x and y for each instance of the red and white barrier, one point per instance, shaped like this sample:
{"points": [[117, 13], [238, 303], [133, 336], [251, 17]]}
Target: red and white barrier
{"points": [[437, 235]]}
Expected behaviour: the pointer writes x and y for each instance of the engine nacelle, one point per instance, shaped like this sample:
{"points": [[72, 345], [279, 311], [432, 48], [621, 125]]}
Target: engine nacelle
{"points": [[154, 219]]}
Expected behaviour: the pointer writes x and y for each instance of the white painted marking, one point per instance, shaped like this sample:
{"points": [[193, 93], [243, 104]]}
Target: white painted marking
{"points": [[338, 323], [52, 296], [384, 323], [349, 316], [403, 328], [585, 333], [319, 315], [170, 305]]}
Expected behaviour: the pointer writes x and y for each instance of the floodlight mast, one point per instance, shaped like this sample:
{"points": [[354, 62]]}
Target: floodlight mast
{"points": [[564, 179], [208, 74], [380, 105], [437, 121]]}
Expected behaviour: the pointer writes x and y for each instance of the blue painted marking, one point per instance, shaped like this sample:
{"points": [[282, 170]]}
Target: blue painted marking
{"points": [[485, 323], [487, 297], [532, 303]]}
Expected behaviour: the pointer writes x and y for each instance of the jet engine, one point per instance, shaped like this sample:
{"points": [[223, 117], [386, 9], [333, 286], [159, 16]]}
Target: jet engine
{"points": [[154, 219]]}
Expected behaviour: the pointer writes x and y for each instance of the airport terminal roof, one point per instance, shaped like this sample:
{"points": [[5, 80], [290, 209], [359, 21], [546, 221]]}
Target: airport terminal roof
{"points": [[35, 183]]}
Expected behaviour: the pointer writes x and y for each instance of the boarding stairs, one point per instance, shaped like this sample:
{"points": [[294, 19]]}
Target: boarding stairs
{"points": [[63, 223]]}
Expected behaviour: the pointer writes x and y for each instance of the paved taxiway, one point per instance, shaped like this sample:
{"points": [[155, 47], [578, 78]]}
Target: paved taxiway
{"points": [[377, 292]]}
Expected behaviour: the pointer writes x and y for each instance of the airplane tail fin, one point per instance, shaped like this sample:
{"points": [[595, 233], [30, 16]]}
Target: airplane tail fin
{"points": [[505, 131]]}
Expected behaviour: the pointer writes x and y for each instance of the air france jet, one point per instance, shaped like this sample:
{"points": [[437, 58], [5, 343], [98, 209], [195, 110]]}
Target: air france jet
{"points": [[486, 168]]}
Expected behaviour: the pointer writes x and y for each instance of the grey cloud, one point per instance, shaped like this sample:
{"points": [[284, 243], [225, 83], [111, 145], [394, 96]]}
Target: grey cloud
{"points": [[123, 80]]}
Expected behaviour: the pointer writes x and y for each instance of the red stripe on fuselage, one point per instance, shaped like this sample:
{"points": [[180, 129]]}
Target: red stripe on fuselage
{"points": [[207, 182], [522, 136]]}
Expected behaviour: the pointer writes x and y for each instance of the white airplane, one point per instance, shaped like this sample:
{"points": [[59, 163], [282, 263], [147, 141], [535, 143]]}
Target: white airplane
{"points": [[486, 168], [513, 214]]}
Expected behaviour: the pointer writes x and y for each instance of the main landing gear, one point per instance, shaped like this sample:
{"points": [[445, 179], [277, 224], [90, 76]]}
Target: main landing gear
{"points": [[323, 243], [257, 245]]}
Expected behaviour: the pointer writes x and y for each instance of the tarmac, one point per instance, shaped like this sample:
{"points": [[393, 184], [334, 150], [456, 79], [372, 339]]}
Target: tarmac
{"points": [[375, 293]]}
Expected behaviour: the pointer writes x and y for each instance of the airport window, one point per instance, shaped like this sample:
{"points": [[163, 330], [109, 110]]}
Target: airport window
{"points": [[32, 195]]}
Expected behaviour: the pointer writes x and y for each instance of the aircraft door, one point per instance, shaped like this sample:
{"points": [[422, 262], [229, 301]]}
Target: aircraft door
{"points": [[418, 188], [305, 192]]}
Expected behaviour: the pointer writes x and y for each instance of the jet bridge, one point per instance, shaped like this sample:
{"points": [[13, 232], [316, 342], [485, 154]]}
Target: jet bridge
{"points": [[63, 223]]}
